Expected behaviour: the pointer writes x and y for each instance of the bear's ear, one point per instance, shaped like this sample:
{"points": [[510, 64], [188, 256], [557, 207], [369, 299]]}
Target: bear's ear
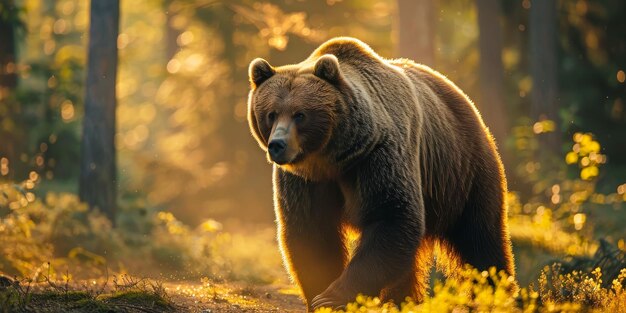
{"points": [[259, 71], [327, 68]]}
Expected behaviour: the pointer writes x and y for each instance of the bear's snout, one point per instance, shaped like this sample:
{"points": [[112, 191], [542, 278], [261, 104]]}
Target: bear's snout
{"points": [[276, 149]]}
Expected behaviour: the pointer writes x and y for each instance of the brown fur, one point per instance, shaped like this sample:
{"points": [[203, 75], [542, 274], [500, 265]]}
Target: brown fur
{"points": [[390, 148]]}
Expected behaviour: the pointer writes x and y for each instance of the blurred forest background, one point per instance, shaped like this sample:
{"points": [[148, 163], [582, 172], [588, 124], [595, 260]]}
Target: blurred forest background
{"points": [[143, 116]]}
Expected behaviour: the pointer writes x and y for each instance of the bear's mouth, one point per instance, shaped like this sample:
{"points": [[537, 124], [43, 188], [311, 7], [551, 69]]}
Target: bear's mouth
{"points": [[286, 159], [280, 161], [312, 166]]}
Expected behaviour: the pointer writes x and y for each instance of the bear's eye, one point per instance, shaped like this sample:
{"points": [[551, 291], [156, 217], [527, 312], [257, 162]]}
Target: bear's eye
{"points": [[271, 117], [298, 117]]}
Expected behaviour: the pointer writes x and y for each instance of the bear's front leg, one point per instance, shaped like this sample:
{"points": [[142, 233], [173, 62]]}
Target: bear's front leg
{"points": [[309, 231], [391, 220], [383, 257]]}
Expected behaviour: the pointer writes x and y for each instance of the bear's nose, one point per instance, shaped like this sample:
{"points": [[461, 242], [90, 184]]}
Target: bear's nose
{"points": [[276, 148]]}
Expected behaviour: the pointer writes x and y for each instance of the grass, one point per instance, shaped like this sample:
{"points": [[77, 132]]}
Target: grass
{"points": [[134, 295], [141, 295]]}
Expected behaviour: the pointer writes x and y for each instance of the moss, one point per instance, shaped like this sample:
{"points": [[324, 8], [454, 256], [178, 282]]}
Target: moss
{"points": [[139, 298], [9, 300], [73, 301], [92, 305], [69, 296]]}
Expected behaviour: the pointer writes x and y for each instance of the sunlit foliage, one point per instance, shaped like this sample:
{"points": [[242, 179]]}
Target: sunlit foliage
{"points": [[558, 204], [42, 237], [586, 153], [489, 291]]}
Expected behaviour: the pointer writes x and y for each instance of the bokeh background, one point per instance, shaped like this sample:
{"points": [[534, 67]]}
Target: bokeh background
{"points": [[194, 188]]}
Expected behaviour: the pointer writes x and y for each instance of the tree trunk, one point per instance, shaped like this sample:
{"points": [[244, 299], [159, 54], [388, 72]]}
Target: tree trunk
{"points": [[492, 104], [9, 139], [543, 68], [98, 182], [8, 76], [416, 30]]}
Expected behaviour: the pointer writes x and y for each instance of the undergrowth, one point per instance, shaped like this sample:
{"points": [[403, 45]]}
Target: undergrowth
{"points": [[578, 284], [57, 232]]}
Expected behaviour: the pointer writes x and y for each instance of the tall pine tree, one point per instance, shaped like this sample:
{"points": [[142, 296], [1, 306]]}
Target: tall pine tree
{"points": [[98, 179]]}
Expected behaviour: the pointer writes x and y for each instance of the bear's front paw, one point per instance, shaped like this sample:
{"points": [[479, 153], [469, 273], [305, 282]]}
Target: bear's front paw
{"points": [[333, 297]]}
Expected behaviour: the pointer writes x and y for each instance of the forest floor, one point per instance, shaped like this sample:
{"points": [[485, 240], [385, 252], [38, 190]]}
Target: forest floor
{"points": [[202, 297], [234, 297]]}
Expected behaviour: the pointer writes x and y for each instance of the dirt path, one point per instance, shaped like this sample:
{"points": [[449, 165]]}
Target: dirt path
{"points": [[210, 297]]}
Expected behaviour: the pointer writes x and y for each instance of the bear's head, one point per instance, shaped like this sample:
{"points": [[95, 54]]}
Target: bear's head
{"points": [[292, 110]]}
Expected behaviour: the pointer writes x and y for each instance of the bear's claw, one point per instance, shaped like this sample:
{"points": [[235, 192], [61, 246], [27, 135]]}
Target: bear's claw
{"points": [[329, 299], [328, 303]]}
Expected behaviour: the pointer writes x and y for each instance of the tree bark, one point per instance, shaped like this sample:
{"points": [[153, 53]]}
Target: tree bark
{"points": [[492, 104], [416, 30], [543, 68], [98, 178]]}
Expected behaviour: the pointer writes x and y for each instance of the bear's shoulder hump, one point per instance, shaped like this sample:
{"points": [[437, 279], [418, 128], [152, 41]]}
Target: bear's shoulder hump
{"points": [[346, 48]]}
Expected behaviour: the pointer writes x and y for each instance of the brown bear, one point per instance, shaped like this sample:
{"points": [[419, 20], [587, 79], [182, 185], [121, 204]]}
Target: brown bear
{"points": [[389, 148]]}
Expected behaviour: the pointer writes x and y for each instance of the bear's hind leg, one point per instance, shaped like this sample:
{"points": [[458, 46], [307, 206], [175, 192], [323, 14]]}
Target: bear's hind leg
{"points": [[481, 237]]}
